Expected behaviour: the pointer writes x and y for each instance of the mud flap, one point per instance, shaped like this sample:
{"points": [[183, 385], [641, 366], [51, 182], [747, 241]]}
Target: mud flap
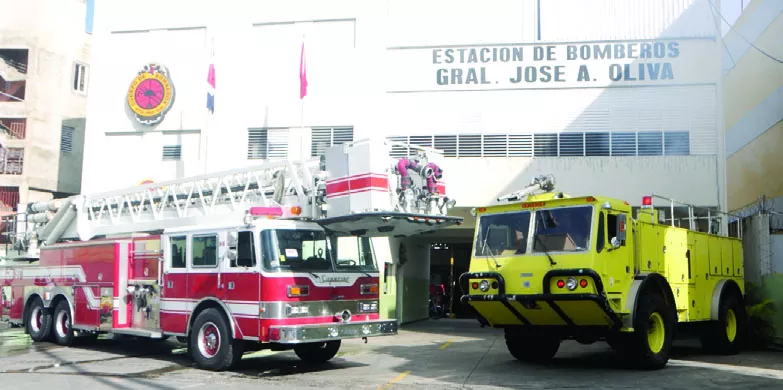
{"points": [[387, 224]]}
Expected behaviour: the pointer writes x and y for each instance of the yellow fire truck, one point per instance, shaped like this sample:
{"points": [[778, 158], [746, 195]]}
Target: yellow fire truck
{"points": [[547, 267]]}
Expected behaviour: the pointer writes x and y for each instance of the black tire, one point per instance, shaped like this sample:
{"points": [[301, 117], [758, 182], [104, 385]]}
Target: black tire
{"points": [[39, 321], [532, 345], [317, 353], [718, 337], [62, 325], [644, 351], [211, 344]]}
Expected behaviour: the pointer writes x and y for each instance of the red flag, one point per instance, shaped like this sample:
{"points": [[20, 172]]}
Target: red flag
{"points": [[302, 75]]}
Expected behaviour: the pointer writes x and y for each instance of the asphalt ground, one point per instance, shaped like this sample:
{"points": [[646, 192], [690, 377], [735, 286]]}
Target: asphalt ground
{"points": [[442, 354]]}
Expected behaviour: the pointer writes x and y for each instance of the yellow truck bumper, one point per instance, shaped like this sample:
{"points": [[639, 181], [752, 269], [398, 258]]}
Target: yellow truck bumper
{"points": [[545, 309]]}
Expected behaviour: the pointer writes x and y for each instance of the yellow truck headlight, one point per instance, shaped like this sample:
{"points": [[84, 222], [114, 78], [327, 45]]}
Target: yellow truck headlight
{"points": [[571, 283], [484, 285]]}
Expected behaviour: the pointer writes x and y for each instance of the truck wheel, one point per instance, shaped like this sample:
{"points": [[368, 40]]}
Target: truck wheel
{"points": [[317, 352], [38, 321], [63, 325], [211, 344], [725, 336], [653, 333], [532, 346]]}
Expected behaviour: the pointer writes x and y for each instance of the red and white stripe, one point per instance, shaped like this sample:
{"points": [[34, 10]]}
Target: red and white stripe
{"points": [[357, 184]]}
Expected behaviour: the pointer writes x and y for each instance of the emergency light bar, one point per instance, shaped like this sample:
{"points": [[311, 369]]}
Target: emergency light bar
{"points": [[270, 211], [647, 202]]}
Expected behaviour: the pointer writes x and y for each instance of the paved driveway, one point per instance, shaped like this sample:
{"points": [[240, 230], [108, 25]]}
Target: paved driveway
{"points": [[439, 354]]}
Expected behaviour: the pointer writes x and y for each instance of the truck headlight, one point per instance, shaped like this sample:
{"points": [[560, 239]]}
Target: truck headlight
{"points": [[571, 283], [368, 307], [484, 286]]}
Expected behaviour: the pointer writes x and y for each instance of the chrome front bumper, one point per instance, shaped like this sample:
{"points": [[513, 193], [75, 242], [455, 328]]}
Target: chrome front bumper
{"points": [[295, 334]]}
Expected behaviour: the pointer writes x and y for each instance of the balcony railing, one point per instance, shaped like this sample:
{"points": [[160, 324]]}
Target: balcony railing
{"points": [[16, 128], [11, 161]]}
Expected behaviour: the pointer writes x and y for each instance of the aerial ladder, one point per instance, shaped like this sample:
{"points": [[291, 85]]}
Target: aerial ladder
{"points": [[348, 190]]}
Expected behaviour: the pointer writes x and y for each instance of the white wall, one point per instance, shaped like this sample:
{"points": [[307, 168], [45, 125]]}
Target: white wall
{"points": [[370, 67]]}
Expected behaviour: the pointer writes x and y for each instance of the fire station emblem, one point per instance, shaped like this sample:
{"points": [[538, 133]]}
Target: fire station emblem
{"points": [[151, 94]]}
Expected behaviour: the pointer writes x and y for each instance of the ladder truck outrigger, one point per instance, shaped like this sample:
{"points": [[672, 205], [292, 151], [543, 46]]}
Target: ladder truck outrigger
{"points": [[277, 256], [547, 267]]}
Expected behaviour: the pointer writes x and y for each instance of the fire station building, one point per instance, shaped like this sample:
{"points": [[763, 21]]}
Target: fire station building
{"points": [[613, 97]]}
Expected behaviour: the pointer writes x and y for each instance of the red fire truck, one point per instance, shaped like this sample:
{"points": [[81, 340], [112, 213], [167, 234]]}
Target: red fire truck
{"points": [[277, 256]]}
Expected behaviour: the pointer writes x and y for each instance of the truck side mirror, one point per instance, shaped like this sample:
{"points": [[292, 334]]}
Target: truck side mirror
{"points": [[620, 229]]}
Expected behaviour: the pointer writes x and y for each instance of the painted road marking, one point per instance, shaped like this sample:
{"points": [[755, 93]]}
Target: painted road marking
{"points": [[446, 344], [741, 370], [395, 380]]}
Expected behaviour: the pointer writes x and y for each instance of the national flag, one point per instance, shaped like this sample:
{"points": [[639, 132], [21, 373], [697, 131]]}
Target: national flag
{"points": [[302, 74], [211, 87]]}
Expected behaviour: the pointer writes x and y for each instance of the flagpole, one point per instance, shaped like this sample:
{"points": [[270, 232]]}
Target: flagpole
{"points": [[303, 68], [210, 112]]}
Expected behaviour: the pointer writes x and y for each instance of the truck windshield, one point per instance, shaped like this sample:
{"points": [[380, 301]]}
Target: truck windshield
{"points": [[287, 250], [296, 250], [353, 254], [564, 229], [502, 234]]}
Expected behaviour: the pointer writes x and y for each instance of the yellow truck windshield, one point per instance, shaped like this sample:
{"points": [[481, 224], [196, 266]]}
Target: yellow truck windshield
{"points": [[502, 234], [565, 229]]}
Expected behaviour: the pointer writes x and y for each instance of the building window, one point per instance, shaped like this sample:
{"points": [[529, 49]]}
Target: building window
{"points": [[446, 143], [14, 128], [66, 139], [11, 161], [172, 152], [324, 137], [676, 143], [597, 144], [13, 83], [650, 143], [568, 144], [624, 144], [572, 144], [80, 77], [545, 145], [88, 17], [264, 143]]}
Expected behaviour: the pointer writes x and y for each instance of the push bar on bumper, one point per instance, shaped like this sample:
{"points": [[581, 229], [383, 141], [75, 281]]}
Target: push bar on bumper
{"points": [[296, 334]]}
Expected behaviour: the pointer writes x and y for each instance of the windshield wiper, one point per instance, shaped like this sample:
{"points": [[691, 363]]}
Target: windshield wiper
{"points": [[541, 242], [484, 247]]}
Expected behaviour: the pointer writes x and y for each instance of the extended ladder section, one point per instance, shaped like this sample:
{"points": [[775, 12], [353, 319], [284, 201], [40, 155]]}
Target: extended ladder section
{"points": [[348, 191]]}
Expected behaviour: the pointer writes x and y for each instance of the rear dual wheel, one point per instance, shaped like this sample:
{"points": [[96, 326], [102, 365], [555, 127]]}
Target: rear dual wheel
{"points": [[39, 321], [63, 324], [725, 336]]}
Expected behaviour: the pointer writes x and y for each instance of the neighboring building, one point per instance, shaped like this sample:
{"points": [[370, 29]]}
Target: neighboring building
{"points": [[753, 87], [616, 98], [44, 72]]}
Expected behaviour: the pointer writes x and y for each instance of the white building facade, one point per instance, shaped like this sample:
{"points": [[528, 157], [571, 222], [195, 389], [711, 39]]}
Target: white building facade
{"points": [[614, 97]]}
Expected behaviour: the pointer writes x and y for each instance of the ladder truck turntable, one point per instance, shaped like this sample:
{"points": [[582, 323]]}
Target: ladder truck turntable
{"points": [[547, 267], [277, 256]]}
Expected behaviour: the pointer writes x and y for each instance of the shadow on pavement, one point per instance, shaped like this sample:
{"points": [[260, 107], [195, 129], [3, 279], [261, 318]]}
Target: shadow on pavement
{"points": [[481, 358]]}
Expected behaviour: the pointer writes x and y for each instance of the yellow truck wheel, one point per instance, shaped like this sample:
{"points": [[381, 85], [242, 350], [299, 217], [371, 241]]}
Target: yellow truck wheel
{"points": [[650, 345], [532, 344], [725, 335]]}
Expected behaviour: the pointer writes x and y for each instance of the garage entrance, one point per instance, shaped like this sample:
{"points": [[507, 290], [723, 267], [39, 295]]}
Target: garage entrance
{"points": [[446, 273]]}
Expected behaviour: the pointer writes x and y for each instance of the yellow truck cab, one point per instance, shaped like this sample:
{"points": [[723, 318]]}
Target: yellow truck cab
{"points": [[548, 267]]}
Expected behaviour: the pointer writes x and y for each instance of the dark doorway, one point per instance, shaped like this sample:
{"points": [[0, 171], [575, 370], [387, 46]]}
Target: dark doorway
{"points": [[443, 272]]}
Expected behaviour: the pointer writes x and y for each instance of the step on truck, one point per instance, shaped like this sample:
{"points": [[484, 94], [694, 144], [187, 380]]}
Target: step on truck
{"points": [[277, 256], [547, 267]]}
